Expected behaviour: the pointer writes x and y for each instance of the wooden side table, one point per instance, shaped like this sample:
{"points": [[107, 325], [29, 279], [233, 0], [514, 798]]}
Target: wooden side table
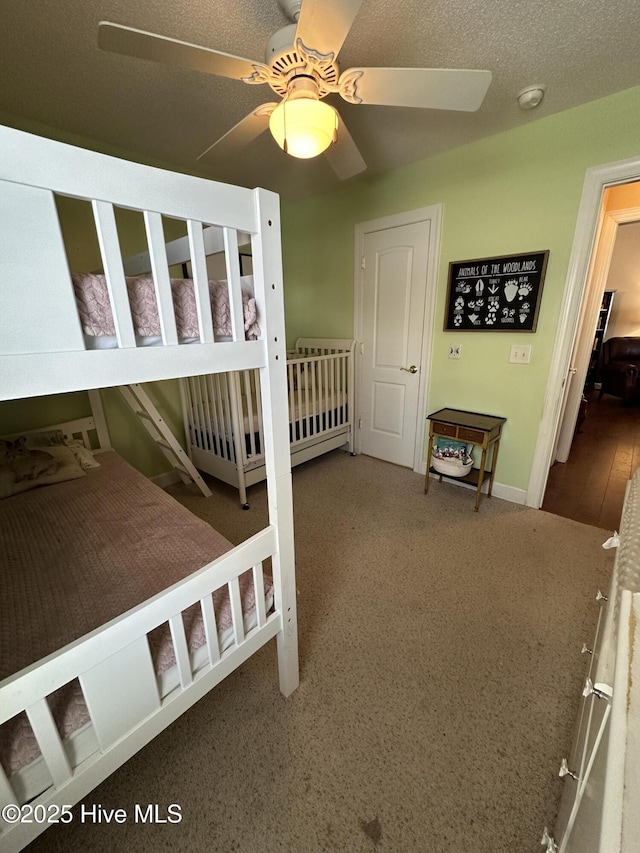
{"points": [[472, 428]]}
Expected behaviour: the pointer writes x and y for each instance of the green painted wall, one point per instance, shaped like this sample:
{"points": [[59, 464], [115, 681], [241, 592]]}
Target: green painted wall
{"points": [[515, 192]]}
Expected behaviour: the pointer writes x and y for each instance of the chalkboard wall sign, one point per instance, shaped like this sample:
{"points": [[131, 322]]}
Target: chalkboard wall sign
{"points": [[495, 294]]}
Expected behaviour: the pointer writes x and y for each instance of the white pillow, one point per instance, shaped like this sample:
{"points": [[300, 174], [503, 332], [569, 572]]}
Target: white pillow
{"points": [[83, 455], [23, 468]]}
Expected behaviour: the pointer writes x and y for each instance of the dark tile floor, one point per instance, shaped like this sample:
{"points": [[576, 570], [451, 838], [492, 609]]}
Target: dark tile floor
{"points": [[590, 486]]}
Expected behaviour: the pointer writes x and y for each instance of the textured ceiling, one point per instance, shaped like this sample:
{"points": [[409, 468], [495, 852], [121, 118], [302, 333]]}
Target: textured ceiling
{"points": [[52, 72]]}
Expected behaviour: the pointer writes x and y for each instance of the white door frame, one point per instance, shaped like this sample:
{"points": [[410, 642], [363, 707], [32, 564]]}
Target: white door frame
{"points": [[433, 215], [595, 287], [597, 179]]}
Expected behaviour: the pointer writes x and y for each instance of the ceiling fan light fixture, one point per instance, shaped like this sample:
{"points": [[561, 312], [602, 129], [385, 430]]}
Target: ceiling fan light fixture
{"points": [[303, 127]]}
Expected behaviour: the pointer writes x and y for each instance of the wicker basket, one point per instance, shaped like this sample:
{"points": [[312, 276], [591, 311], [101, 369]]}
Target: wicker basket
{"points": [[451, 467]]}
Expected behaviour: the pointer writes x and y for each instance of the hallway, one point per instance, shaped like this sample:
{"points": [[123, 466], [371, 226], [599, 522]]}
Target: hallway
{"points": [[590, 486]]}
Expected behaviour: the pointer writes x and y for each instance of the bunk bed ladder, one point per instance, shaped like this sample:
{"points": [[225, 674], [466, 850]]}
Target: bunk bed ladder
{"points": [[140, 403]]}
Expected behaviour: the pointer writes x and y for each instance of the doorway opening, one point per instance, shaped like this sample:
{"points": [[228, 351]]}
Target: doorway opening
{"points": [[598, 438]]}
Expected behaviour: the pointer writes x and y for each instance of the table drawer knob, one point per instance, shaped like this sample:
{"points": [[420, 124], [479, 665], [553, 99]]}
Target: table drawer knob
{"points": [[564, 770]]}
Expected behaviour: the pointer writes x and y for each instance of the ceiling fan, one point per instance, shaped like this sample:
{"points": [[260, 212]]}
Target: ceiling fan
{"points": [[301, 67]]}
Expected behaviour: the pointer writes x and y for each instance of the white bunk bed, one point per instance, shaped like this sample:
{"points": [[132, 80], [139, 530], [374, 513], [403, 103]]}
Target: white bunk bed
{"points": [[43, 351], [223, 421]]}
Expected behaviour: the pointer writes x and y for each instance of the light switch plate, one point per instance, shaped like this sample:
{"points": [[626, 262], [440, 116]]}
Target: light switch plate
{"points": [[520, 354]]}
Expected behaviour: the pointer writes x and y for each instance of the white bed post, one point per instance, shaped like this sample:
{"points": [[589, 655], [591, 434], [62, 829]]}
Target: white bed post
{"points": [[267, 255], [97, 411]]}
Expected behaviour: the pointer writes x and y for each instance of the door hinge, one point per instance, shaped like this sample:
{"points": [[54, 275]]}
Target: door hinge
{"points": [[362, 349], [359, 423], [362, 263]]}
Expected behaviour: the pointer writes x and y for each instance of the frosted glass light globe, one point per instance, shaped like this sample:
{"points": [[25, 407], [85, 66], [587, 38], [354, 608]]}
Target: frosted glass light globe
{"points": [[306, 125]]}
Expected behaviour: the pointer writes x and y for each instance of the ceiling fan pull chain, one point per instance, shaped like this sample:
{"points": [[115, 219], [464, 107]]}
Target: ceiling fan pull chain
{"points": [[285, 147]]}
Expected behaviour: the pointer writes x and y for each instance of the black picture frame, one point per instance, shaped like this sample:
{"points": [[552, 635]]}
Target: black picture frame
{"points": [[497, 294]]}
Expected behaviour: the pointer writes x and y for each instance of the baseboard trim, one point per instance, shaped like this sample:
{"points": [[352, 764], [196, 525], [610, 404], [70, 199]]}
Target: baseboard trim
{"points": [[500, 490], [166, 479]]}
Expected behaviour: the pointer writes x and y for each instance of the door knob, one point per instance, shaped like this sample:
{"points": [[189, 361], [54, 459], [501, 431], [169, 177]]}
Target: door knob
{"points": [[412, 369]]}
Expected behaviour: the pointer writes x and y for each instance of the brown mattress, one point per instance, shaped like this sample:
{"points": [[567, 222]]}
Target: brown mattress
{"points": [[75, 555]]}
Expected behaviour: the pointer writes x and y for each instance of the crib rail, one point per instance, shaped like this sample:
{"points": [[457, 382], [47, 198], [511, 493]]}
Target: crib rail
{"points": [[223, 413], [318, 395], [224, 420], [126, 701]]}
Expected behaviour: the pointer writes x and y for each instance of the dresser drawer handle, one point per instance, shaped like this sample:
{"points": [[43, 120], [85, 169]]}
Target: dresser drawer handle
{"points": [[549, 840], [602, 692], [564, 770]]}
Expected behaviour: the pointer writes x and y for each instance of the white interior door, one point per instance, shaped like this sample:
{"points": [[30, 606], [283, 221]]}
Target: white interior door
{"points": [[393, 294]]}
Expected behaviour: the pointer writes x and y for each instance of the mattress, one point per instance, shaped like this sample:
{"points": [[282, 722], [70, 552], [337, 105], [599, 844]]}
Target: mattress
{"points": [[80, 553], [94, 309]]}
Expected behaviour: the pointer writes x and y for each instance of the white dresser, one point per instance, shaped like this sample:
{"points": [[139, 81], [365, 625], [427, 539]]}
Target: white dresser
{"points": [[600, 805]]}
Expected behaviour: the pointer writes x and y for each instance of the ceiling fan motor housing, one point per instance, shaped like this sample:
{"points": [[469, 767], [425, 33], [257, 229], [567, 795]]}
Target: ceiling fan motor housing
{"points": [[281, 41], [291, 8], [288, 60]]}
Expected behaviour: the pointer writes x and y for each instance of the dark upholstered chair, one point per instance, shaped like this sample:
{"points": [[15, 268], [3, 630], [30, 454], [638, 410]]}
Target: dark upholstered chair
{"points": [[620, 367]]}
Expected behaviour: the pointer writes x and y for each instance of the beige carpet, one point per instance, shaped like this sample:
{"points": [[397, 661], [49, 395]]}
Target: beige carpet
{"points": [[440, 676]]}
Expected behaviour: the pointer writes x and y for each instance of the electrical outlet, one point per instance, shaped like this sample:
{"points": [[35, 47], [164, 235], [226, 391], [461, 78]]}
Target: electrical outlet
{"points": [[520, 354], [455, 350]]}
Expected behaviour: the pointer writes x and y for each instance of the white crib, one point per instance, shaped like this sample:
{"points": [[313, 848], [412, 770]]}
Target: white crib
{"points": [[43, 351], [223, 421]]}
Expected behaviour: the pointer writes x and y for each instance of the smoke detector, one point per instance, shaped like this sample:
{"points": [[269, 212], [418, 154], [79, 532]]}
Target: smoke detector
{"points": [[531, 96]]}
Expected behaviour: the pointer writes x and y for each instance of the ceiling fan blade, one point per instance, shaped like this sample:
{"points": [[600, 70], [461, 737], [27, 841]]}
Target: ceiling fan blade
{"points": [[430, 88], [323, 24], [343, 155], [131, 42], [241, 134]]}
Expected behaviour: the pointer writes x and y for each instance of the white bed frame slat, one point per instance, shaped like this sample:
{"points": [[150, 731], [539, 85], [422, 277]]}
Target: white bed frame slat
{"points": [[181, 649], [47, 314], [46, 733], [236, 611], [210, 629], [162, 281], [121, 690], [233, 283], [107, 232], [258, 588], [200, 280]]}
